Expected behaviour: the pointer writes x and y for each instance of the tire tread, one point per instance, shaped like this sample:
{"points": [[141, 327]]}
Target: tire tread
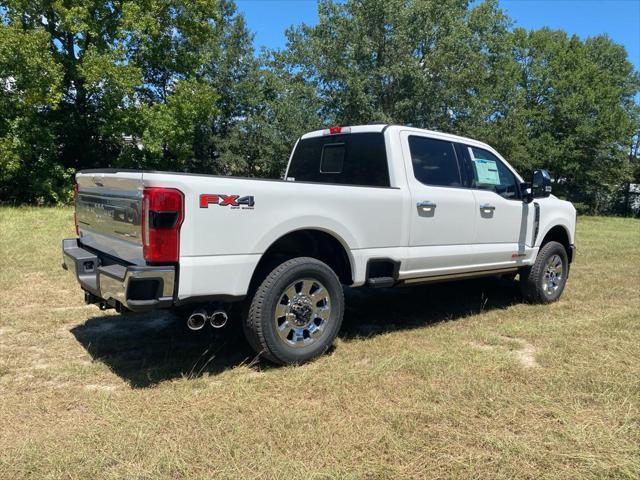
{"points": [[529, 278], [253, 325]]}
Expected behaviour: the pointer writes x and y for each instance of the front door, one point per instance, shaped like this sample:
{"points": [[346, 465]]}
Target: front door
{"points": [[502, 218], [442, 211]]}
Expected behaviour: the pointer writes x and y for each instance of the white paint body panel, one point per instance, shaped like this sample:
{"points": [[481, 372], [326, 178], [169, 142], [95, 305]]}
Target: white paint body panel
{"points": [[221, 246], [359, 217]]}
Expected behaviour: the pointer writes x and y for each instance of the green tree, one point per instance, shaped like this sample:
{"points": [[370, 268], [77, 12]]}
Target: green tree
{"points": [[79, 48], [261, 108], [177, 131], [574, 111], [119, 63], [162, 84], [170, 42], [29, 93], [282, 108], [424, 63], [85, 40]]}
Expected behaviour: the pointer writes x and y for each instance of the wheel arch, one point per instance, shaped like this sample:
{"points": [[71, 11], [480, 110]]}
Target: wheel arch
{"points": [[314, 242], [559, 233]]}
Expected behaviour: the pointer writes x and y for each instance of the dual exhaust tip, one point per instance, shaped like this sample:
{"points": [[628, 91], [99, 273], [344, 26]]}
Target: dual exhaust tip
{"points": [[198, 319]]}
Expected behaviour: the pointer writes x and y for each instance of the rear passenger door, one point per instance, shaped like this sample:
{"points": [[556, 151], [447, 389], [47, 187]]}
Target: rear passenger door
{"points": [[500, 214], [443, 212]]}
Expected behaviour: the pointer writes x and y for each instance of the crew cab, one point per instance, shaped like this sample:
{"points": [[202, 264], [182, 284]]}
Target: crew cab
{"points": [[374, 205]]}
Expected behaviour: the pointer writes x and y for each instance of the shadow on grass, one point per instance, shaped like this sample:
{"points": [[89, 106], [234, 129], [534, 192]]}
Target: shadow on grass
{"points": [[146, 349]]}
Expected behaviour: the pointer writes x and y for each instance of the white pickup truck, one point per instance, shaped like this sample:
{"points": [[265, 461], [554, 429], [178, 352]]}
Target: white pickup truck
{"points": [[375, 205]]}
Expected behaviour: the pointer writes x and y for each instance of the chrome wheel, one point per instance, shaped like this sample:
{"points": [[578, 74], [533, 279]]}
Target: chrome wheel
{"points": [[302, 312], [553, 274]]}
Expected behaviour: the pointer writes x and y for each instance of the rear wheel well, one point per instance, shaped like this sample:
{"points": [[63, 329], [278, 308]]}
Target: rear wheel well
{"points": [[558, 234], [305, 243]]}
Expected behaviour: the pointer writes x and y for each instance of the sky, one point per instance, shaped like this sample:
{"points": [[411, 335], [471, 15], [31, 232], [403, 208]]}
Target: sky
{"points": [[620, 19]]}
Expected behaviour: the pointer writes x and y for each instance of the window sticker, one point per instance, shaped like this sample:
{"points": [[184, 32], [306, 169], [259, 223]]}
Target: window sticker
{"points": [[487, 171]]}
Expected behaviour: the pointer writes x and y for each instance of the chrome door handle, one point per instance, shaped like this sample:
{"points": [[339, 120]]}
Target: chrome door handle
{"points": [[426, 208], [487, 207]]}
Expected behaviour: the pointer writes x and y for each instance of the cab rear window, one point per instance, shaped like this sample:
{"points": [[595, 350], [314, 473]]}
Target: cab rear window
{"points": [[349, 159]]}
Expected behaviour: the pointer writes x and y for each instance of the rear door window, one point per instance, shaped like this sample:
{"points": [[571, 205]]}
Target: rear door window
{"points": [[434, 162], [350, 159]]}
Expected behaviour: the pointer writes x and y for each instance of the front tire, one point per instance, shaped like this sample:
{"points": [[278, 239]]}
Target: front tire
{"points": [[544, 282], [296, 312]]}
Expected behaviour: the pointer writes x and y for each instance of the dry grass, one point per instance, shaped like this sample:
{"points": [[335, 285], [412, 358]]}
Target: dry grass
{"points": [[457, 380]]}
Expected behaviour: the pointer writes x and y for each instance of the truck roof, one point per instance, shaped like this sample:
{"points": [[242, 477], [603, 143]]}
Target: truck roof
{"points": [[381, 127]]}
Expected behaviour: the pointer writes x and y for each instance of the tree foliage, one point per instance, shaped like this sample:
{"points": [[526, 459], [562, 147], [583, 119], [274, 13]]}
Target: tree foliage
{"points": [[578, 111], [168, 84], [410, 62], [177, 85]]}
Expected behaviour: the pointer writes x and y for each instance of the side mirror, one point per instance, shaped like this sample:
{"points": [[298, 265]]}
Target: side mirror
{"points": [[541, 184]]}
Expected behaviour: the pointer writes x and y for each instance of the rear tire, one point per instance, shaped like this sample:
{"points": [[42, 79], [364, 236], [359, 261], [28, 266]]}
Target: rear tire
{"points": [[296, 312], [545, 280]]}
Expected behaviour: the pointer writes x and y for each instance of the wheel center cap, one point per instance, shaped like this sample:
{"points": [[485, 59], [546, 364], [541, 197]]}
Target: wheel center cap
{"points": [[301, 309]]}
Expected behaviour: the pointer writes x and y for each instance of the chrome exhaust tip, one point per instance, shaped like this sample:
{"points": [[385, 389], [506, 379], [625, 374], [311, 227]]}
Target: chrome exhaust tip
{"points": [[218, 319], [197, 320]]}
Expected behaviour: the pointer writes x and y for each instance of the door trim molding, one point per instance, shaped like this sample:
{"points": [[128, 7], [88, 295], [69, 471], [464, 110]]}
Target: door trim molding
{"points": [[457, 276]]}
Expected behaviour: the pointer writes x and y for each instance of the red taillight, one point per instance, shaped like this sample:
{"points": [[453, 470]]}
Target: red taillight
{"points": [[163, 212], [334, 130], [75, 208]]}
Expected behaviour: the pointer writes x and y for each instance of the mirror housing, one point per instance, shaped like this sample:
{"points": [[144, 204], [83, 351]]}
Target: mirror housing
{"points": [[541, 184]]}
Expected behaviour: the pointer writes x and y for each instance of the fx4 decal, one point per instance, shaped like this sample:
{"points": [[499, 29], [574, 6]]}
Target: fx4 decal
{"points": [[233, 201]]}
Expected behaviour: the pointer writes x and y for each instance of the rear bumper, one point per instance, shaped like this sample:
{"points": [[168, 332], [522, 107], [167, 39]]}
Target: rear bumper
{"points": [[137, 288]]}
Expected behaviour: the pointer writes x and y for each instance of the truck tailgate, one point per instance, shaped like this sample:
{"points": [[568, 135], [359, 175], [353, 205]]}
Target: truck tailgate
{"points": [[109, 213]]}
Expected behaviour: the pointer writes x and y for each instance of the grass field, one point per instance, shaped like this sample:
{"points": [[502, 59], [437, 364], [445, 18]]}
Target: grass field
{"points": [[450, 381]]}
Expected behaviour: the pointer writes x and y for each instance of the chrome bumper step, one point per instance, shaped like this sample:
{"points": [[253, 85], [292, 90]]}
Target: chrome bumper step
{"points": [[137, 288]]}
